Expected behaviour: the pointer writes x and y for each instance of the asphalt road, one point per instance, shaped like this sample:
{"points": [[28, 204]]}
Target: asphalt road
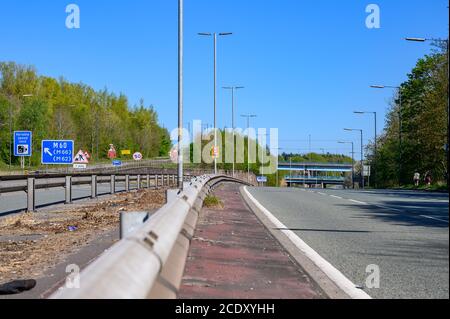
{"points": [[405, 233]]}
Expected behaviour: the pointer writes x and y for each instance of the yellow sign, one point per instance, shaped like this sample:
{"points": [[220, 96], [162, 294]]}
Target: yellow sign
{"points": [[126, 152], [215, 152]]}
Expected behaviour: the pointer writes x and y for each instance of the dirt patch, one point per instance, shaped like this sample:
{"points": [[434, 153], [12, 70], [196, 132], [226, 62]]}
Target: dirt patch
{"points": [[34, 242]]}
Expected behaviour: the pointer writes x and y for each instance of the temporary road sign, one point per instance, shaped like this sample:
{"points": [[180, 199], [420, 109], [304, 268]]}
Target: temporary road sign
{"points": [[81, 158]]}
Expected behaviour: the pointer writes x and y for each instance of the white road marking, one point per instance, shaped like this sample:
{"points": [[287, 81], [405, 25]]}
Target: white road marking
{"points": [[430, 217], [389, 208], [322, 194], [358, 202], [335, 275], [334, 196]]}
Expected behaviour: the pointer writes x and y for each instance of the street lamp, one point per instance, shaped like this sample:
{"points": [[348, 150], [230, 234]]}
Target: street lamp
{"points": [[214, 35], [375, 117], [233, 89], [278, 165], [248, 117], [400, 125], [353, 161], [362, 152], [448, 74], [180, 94], [263, 149]]}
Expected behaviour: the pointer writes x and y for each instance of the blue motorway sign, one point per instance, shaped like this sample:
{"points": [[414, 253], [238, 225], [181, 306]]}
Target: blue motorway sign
{"points": [[57, 152], [261, 179], [117, 163], [23, 144]]}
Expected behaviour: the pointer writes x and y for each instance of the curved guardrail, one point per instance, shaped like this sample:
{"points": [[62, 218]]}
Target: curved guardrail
{"points": [[149, 263]]}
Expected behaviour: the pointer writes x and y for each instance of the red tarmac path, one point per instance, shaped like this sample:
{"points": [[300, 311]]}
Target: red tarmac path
{"points": [[233, 256]]}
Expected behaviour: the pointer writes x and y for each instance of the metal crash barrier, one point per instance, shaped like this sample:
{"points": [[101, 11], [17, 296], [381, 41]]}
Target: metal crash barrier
{"points": [[129, 181], [149, 263]]}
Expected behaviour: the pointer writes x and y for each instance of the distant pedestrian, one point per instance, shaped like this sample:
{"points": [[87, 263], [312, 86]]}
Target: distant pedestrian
{"points": [[428, 179], [416, 179]]}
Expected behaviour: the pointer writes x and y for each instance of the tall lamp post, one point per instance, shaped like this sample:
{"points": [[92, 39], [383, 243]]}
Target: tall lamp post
{"points": [[278, 165], [353, 161], [263, 147], [448, 74], [362, 152], [375, 136], [248, 117], [233, 89], [400, 125], [214, 35], [180, 95]]}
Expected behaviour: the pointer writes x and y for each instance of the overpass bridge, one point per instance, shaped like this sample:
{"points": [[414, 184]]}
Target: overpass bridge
{"points": [[315, 173]]}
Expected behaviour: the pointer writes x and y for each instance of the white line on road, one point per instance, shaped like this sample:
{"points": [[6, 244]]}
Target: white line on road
{"points": [[334, 196], [322, 194], [358, 202], [430, 217], [389, 208], [335, 275]]}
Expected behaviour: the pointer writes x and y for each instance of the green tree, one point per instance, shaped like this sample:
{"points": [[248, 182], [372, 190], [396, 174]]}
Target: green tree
{"points": [[60, 109], [415, 135]]}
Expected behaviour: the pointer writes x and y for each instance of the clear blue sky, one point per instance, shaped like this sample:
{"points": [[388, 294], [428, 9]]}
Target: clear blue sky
{"points": [[306, 65]]}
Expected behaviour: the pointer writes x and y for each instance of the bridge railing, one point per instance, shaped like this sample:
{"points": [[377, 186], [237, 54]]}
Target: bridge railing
{"points": [[149, 263], [313, 178]]}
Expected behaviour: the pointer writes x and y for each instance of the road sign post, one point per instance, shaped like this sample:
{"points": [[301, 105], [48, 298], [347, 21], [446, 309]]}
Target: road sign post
{"points": [[23, 145], [56, 152]]}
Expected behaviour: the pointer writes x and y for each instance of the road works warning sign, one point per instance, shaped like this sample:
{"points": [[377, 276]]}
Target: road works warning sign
{"points": [[81, 157]]}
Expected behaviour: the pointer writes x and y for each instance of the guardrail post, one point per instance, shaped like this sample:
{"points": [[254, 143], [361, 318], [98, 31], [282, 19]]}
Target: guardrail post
{"points": [[173, 180], [156, 181], [68, 189], [148, 181], [94, 186], [113, 184], [31, 201], [127, 183], [162, 180], [139, 182]]}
